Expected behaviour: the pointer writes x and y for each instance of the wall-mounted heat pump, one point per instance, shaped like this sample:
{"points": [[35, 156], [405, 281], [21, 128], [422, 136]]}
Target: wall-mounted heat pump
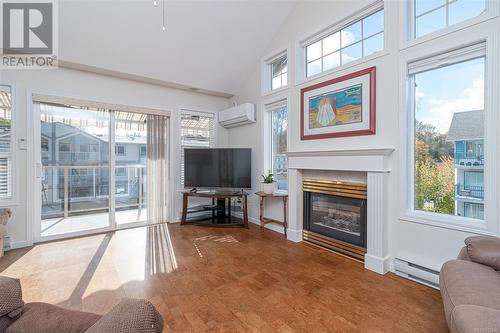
{"points": [[237, 115]]}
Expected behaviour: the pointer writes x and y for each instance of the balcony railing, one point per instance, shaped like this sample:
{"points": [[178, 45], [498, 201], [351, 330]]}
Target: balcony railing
{"points": [[476, 192], [76, 190], [469, 159]]}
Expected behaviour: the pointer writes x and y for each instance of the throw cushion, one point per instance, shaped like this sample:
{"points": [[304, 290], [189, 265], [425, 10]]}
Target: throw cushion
{"points": [[484, 250], [130, 316], [11, 296], [47, 318]]}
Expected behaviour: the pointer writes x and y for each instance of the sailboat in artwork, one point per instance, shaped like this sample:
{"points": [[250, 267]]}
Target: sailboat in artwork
{"points": [[326, 112]]}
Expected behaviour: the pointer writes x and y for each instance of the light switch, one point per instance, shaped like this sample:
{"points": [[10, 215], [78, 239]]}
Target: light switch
{"points": [[22, 144]]}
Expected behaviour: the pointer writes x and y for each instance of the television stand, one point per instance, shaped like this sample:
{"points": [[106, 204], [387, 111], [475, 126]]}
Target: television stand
{"points": [[220, 208]]}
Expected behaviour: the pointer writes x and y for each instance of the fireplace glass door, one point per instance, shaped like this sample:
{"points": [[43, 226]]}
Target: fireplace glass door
{"points": [[342, 218]]}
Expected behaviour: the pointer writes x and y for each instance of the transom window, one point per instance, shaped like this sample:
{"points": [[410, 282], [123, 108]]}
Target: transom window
{"points": [[433, 15], [279, 72], [355, 41]]}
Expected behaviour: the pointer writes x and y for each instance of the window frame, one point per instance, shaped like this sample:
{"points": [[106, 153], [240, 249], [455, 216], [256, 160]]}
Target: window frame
{"points": [[284, 55], [180, 147], [407, 20], [267, 75], [267, 108], [13, 199], [482, 34], [301, 46]]}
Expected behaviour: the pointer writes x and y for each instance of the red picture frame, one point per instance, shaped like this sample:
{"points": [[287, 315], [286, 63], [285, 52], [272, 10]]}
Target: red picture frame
{"points": [[372, 123]]}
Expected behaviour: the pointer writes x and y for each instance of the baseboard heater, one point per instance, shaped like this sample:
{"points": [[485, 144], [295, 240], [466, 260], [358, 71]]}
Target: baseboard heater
{"points": [[417, 273]]}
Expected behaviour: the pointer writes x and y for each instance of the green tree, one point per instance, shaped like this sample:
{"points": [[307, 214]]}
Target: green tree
{"points": [[434, 180]]}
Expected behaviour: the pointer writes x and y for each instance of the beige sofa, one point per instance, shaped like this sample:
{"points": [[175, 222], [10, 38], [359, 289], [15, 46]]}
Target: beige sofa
{"points": [[470, 287]]}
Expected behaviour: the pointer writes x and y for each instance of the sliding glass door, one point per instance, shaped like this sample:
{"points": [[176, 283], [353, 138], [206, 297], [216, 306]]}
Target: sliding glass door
{"points": [[75, 170], [92, 169], [130, 167]]}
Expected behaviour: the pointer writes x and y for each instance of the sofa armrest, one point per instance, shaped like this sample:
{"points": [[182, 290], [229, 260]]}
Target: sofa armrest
{"points": [[474, 318], [11, 297], [130, 316], [484, 250]]}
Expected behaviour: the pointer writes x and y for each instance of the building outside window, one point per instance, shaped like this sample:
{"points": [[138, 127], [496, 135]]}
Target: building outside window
{"points": [[278, 126], [279, 72], [197, 131], [431, 16], [448, 145], [120, 150], [355, 41]]}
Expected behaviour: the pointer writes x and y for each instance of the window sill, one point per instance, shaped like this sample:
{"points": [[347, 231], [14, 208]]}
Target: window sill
{"points": [[446, 31], [351, 64], [281, 192], [275, 91], [452, 222]]}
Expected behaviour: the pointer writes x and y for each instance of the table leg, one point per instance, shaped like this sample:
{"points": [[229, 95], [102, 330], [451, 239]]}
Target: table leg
{"points": [[184, 208], [285, 223], [261, 217], [245, 211]]}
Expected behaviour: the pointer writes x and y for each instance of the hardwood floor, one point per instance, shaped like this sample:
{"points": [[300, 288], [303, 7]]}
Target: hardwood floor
{"points": [[215, 279]]}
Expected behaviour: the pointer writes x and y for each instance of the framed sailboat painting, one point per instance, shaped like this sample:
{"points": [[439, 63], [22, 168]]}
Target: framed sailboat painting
{"points": [[344, 106]]}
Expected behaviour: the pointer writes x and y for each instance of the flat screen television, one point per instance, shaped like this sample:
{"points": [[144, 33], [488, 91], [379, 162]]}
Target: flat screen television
{"points": [[218, 168]]}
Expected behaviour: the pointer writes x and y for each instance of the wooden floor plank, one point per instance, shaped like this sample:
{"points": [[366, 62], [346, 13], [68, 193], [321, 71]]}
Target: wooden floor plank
{"points": [[224, 280]]}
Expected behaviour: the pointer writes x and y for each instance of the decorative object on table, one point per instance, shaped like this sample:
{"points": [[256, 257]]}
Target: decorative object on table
{"points": [[265, 220], [5, 214], [268, 183], [344, 106]]}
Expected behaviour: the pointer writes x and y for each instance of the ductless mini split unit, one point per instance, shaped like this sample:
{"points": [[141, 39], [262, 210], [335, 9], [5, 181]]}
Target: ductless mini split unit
{"points": [[237, 115]]}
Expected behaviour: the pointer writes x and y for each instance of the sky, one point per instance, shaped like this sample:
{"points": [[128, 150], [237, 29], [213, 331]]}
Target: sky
{"points": [[442, 92]]}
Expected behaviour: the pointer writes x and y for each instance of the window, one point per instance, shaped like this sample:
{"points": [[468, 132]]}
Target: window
{"points": [[143, 151], [278, 121], [355, 41], [197, 131], [449, 121], [5, 142], [433, 15], [120, 150], [279, 72]]}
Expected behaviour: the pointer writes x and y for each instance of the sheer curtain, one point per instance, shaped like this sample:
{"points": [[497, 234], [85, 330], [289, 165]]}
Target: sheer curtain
{"points": [[157, 168]]}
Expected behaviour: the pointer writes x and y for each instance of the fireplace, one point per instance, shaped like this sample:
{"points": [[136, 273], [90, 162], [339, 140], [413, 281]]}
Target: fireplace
{"points": [[335, 216]]}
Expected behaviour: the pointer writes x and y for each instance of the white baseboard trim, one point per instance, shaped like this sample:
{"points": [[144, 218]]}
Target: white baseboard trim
{"points": [[20, 244], [377, 264]]}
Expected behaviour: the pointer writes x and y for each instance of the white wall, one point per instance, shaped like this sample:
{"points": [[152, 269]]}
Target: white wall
{"points": [[428, 245], [94, 87]]}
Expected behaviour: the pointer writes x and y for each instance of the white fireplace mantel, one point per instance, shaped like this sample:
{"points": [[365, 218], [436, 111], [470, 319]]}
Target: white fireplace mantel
{"points": [[376, 164], [366, 160]]}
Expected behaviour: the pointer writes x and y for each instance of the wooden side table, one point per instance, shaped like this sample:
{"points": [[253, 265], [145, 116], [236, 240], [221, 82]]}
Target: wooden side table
{"points": [[265, 220]]}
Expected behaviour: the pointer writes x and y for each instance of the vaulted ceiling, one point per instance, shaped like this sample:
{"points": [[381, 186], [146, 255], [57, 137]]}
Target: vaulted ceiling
{"points": [[210, 45]]}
